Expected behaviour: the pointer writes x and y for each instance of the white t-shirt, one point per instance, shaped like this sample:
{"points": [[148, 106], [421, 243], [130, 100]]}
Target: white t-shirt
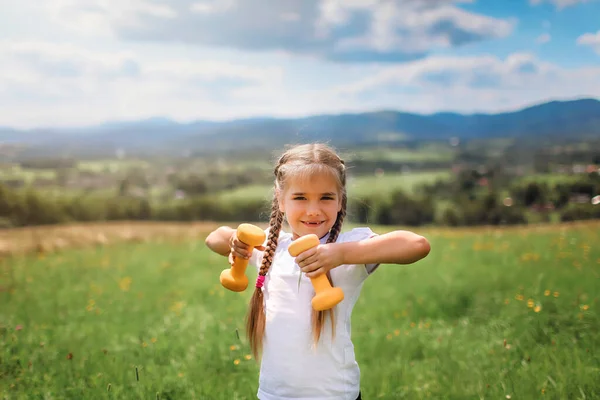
{"points": [[292, 367]]}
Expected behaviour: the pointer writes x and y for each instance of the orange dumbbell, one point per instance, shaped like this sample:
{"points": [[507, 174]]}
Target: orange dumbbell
{"points": [[326, 296], [235, 278]]}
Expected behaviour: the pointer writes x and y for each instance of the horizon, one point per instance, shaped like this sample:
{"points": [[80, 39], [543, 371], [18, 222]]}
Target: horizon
{"points": [[224, 121], [72, 64]]}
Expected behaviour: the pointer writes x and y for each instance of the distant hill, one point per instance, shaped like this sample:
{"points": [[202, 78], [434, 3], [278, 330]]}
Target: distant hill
{"points": [[576, 118]]}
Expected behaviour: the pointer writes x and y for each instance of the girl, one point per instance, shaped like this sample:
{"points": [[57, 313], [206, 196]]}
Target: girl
{"points": [[304, 354]]}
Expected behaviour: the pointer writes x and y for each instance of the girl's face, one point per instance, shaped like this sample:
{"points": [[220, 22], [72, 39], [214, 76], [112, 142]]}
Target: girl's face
{"points": [[311, 205]]}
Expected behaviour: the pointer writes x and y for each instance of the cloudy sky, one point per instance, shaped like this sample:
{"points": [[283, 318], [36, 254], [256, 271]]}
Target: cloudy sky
{"points": [[82, 62]]}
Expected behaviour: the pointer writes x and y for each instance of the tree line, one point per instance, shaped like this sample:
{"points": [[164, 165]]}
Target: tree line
{"points": [[470, 198]]}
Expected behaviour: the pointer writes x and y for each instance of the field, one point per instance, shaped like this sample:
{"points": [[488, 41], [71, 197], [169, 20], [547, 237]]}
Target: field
{"points": [[491, 313], [356, 186], [428, 152]]}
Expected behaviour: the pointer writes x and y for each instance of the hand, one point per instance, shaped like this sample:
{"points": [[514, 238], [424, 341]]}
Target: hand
{"points": [[240, 249], [319, 260]]}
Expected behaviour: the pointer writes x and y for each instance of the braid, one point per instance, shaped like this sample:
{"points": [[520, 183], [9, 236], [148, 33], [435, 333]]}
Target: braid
{"points": [[337, 226], [275, 224], [255, 321], [318, 317]]}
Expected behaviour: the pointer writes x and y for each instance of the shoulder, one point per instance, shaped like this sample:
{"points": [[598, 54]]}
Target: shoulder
{"points": [[356, 234]]}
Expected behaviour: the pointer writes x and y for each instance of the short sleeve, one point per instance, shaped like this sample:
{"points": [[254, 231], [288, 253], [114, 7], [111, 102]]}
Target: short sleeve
{"points": [[358, 234]]}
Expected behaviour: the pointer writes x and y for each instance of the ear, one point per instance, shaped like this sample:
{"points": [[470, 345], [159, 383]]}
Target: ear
{"points": [[339, 204]]}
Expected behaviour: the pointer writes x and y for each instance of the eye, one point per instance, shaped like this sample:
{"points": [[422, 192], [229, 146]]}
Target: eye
{"points": [[298, 198], [327, 198]]}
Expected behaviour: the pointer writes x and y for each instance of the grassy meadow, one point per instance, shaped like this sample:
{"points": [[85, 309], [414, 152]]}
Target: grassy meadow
{"points": [[358, 186], [506, 313]]}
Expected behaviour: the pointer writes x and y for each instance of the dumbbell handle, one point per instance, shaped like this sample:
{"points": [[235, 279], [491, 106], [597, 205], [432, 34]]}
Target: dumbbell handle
{"points": [[326, 296]]}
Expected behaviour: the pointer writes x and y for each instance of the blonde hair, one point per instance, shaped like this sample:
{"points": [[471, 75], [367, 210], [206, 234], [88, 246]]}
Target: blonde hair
{"points": [[302, 162]]}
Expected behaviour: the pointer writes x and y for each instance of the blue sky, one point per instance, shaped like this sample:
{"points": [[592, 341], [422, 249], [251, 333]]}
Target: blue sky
{"points": [[83, 62]]}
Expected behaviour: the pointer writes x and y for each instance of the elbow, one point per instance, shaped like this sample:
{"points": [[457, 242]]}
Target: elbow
{"points": [[209, 242], [420, 247], [212, 239], [423, 246]]}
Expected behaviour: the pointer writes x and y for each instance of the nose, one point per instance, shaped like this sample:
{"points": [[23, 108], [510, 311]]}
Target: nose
{"points": [[312, 209]]}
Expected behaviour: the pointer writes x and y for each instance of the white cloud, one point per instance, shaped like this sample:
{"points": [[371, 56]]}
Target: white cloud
{"points": [[559, 4], [590, 39], [100, 17], [543, 38], [343, 30], [50, 60], [471, 84], [52, 84], [45, 84], [212, 7]]}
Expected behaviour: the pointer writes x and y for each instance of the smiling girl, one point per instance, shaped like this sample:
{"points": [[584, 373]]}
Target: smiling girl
{"points": [[305, 355]]}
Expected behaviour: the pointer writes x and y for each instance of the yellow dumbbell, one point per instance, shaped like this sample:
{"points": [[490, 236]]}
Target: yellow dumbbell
{"points": [[235, 278], [326, 296]]}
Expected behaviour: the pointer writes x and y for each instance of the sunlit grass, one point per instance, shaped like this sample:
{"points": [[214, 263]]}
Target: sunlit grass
{"points": [[363, 185], [491, 313], [389, 182], [382, 154]]}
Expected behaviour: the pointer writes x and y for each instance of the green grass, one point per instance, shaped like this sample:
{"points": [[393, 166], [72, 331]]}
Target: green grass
{"points": [[489, 314], [26, 174], [249, 193], [357, 186], [551, 179], [369, 185], [111, 166], [428, 152]]}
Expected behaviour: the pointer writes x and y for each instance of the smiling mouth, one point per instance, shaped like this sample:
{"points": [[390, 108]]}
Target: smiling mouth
{"points": [[313, 224]]}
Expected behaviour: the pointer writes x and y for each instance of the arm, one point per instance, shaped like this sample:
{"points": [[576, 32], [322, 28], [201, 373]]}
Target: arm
{"points": [[224, 241], [219, 240], [397, 247]]}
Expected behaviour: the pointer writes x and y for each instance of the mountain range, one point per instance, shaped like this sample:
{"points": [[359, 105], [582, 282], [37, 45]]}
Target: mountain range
{"points": [[572, 119]]}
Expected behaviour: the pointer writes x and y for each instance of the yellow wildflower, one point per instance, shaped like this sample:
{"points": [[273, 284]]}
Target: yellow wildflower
{"points": [[125, 283]]}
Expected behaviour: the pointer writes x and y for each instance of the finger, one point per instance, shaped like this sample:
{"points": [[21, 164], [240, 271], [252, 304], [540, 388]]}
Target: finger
{"points": [[309, 260], [313, 266], [241, 254], [301, 259], [260, 248], [241, 245], [315, 273]]}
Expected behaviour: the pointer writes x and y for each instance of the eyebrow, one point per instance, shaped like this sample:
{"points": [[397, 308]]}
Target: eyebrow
{"points": [[322, 194]]}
